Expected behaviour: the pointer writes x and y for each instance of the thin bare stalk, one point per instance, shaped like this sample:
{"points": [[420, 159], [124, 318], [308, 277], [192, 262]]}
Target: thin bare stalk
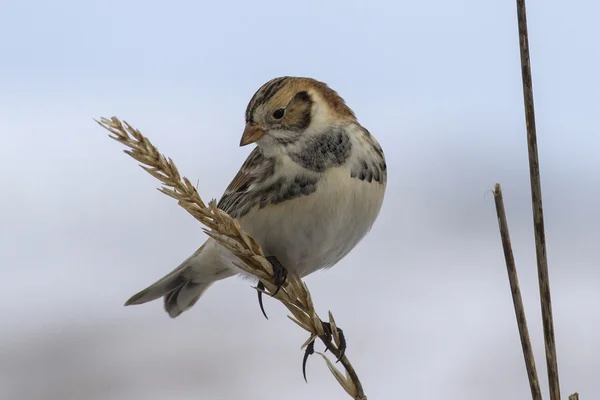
{"points": [[536, 200], [294, 294], [515, 289]]}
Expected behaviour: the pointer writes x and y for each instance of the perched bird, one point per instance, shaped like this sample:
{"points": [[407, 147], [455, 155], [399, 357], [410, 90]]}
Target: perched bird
{"points": [[308, 193]]}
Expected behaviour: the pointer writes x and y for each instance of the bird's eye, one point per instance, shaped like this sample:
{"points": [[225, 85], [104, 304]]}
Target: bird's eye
{"points": [[278, 114]]}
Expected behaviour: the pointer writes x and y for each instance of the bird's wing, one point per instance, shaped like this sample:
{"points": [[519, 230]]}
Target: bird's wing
{"points": [[239, 195]]}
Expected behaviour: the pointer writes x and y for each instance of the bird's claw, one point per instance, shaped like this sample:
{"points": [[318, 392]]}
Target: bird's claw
{"points": [[279, 272], [310, 350], [329, 340], [280, 275], [259, 289]]}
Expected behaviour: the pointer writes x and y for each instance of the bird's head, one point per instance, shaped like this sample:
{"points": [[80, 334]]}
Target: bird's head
{"points": [[287, 110]]}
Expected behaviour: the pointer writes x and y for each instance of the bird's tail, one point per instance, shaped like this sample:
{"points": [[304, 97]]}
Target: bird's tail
{"points": [[179, 292], [182, 287]]}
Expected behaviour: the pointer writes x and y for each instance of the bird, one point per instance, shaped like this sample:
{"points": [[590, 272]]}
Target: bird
{"points": [[309, 191]]}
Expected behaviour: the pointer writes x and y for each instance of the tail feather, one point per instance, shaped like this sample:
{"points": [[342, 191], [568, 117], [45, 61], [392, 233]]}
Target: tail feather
{"points": [[179, 293], [162, 287], [184, 297], [182, 287]]}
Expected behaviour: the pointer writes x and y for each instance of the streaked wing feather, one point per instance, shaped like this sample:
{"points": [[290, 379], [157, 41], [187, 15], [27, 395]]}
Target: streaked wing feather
{"points": [[245, 175], [255, 169]]}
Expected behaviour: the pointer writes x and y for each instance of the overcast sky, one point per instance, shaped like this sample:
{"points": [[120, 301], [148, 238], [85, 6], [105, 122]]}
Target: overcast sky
{"points": [[424, 299]]}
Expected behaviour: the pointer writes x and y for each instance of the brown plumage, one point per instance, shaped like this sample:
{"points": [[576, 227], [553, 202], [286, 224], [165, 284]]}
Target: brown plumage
{"points": [[286, 92]]}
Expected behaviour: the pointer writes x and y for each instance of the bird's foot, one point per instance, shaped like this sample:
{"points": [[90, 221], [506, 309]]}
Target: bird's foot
{"points": [[280, 274], [329, 340], [330, 344]]}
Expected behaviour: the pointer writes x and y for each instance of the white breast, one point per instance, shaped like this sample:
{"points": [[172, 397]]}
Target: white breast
{"points": [[316, 231]]}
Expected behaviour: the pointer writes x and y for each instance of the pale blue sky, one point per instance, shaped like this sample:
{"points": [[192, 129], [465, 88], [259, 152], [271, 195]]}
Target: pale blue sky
{"points": [[424, 298]]}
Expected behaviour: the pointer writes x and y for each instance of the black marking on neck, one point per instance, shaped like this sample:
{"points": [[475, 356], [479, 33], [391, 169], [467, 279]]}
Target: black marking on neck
{"points": [[329, 149]]}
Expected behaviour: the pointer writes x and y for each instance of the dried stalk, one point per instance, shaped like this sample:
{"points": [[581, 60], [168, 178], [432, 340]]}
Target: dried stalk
{"points": [[534, 382], [538, 212], [294, 294]]}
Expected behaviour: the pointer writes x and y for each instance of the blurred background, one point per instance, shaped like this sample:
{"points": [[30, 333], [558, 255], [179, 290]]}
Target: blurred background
{"points": [[424, 299]]}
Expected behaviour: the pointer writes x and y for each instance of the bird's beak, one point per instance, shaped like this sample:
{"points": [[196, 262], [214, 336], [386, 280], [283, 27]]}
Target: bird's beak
{"points": [[252, 133]]}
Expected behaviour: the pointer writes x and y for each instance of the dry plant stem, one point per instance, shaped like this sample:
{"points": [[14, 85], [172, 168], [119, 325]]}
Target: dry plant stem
{"points": [[349, 369], [536, 199], [293, 294], [534, 382], [574, 396]]}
